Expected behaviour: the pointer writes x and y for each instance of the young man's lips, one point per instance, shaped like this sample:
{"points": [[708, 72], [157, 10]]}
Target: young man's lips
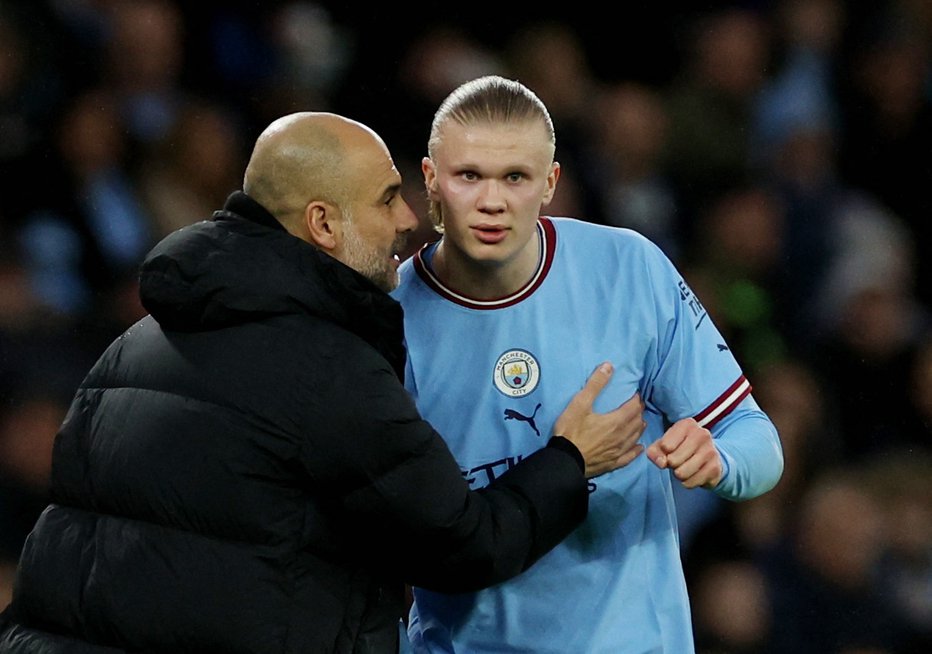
{"points": [[489, 233]]}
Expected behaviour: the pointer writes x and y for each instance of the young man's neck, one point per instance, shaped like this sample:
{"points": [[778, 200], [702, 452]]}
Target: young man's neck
{"points": [[483, 279]]}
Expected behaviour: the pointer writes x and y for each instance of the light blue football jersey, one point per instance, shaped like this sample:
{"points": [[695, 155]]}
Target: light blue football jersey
{"points": [[493, 376]]}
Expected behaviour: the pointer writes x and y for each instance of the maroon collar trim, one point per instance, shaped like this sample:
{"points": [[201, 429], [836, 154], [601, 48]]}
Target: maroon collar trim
{"points": [[548, 246]]}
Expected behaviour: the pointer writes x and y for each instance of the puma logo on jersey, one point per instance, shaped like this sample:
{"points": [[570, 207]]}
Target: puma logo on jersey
{"points": [[511, 414]]}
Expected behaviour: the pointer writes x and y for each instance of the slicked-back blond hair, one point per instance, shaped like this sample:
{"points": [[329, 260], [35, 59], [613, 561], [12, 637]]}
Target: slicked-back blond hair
{"points": [[491, 99]]}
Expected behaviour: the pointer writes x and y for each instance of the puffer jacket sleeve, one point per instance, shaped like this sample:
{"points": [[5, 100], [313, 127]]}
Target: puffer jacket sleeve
{"points": [[405, 500]]}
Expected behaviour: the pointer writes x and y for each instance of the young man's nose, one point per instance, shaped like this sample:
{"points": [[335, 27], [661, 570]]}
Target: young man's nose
{"points": [[491, 197]]}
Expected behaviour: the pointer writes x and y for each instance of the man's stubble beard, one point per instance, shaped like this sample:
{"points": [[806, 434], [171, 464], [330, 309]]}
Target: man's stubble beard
{"points": [[366, 260]]}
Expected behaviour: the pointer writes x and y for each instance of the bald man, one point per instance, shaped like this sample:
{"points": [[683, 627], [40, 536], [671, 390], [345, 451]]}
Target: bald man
{"points": [[243, 471]]}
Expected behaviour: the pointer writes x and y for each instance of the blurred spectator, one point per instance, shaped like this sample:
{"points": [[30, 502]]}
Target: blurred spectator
{"points": [[836, 237], [549, 57], [20, 309], [902, 482], [873, 323], [886, 148], [42, 353], [802, 90], [276, 58], [229, 50], [732, 613], [27, 429], [633, 186], [439, 58], [143, 59], [312, 56], [795, 134], [732, 266], [711, 104], [86, 234], [194, 169], [801, 173], [823, 583]]}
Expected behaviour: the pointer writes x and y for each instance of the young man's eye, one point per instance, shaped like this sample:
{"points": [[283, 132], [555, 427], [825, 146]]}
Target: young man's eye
{"points": [[515, 177]]}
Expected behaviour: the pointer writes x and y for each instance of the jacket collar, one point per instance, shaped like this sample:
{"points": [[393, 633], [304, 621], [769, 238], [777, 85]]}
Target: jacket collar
{"points": [[244, 206]]}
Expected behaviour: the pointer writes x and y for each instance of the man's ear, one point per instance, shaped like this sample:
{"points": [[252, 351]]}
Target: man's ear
{"points": [[552, 178], [430, 177], [322, 221]]}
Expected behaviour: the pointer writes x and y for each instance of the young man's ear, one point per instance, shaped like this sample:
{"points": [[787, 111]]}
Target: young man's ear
{"points": [[322, 222], [430, 177], [552, 180]]}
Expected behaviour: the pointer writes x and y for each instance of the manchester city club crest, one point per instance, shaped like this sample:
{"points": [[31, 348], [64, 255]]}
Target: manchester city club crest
{"points": [[516, 373]]}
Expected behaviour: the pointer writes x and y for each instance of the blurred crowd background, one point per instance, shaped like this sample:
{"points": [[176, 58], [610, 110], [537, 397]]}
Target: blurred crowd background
{"points": [[779, 152]]}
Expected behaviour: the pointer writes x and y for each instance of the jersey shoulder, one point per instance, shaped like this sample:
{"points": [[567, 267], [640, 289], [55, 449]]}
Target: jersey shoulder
{"points": [[586, 240], [578, 229]]}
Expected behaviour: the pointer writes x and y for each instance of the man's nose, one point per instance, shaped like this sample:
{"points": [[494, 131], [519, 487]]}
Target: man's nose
{"points": [[407, 220], [491, 198]]}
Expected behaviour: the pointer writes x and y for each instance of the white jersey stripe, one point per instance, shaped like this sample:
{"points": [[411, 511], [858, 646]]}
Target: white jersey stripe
{"points": [[729, 401]]}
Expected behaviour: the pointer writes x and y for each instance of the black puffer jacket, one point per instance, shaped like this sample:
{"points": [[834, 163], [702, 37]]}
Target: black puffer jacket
{"points": [[242, 471]]}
